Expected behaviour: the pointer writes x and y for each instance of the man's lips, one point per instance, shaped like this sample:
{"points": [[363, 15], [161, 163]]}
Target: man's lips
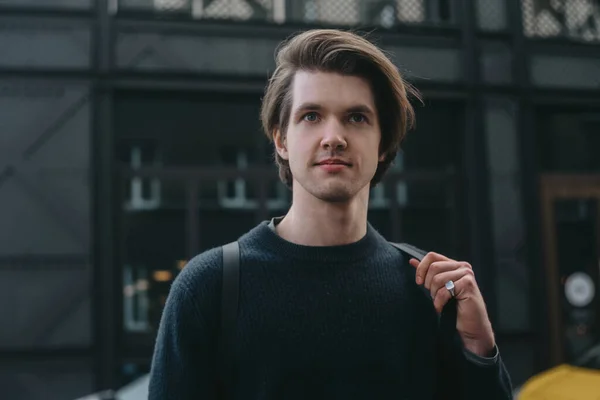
{"points": [[334, 162]]}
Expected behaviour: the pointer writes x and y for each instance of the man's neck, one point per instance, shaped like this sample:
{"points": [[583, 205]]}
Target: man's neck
{"points": [[314, 222]]}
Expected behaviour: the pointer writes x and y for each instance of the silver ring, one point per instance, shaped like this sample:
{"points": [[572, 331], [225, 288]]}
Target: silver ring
{"points": [[450, 287]]}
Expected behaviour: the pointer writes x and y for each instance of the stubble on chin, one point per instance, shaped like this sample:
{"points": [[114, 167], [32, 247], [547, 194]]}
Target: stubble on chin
{"points": [[333, 193]]}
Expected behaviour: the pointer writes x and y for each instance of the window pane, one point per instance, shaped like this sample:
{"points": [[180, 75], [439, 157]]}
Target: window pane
{"points": [[568, 140], [154, 244], [421, 205], [190, 129], [436, 143]]}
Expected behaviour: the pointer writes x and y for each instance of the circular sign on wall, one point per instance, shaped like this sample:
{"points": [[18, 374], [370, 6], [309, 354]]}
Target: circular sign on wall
{"points": [[579, 289]]}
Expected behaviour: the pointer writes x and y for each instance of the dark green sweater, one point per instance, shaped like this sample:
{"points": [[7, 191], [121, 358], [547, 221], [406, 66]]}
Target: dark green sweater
{"points": [[345, 322]]}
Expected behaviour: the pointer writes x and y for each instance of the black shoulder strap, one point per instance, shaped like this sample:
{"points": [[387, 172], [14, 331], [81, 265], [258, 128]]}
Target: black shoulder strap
{"points": [[229, 309], [447, 320], [410, 250]]}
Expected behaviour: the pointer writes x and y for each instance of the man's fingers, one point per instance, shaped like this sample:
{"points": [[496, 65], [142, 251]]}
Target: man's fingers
{"points": [[423, 266], [439, 267], [439, 281], [463, 288], [441, 298]]}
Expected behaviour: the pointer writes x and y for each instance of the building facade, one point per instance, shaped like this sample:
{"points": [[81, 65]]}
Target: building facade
{"points": [[130, 141]]}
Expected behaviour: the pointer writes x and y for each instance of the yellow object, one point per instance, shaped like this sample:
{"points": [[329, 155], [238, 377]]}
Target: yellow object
{"points": [[564, 382]]}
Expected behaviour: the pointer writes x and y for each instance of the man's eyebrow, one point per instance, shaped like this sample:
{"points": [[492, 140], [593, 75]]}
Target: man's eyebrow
{"points": [[307, 107], [359, 108]]}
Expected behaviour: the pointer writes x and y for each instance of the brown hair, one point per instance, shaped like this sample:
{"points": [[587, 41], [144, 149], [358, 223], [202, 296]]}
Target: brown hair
{"points": [[330, 50]]}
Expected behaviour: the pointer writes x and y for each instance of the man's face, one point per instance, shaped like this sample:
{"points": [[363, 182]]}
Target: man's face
{"points": [[333, 135]]}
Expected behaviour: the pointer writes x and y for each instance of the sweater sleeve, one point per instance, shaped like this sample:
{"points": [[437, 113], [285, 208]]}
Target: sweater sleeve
{"points": [[486, 380], [466, 376], [183, 364], [459, 374]]}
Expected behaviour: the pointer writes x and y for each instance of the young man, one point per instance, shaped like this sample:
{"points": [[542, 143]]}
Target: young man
{"points": [[327, 307]]}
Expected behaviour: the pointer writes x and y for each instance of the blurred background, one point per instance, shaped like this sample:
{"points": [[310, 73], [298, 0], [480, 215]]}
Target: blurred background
{"points": [[130, 141]]}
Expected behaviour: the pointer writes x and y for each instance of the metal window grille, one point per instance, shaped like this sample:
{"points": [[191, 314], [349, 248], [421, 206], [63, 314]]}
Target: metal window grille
{"points": [[337, 12], [385, 13], [410, 11], [233, 9], [207, 9], [573, 19], [491, 14], [171, 5], [163, 6]]}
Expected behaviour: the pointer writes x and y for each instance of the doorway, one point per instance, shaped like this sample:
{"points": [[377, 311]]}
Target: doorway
{"points": [[570, 207]]}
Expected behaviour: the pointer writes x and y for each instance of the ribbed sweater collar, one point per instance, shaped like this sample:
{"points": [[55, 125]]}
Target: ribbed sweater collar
{"points": [[264, 238]]}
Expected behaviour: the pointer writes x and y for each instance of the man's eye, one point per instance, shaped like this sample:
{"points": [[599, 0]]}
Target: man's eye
{"points": [[311, 117], [358, 118]]}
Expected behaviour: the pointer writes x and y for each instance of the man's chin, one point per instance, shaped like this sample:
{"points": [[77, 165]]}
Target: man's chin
{"points": [[337, 199], [335, 195], [332, 190]]}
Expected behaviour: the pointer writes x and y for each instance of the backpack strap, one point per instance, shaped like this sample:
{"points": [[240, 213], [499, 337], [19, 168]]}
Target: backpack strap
{"points": [[448, 317], [410, 250], [449, 343], [414, 252], [229, 309]]}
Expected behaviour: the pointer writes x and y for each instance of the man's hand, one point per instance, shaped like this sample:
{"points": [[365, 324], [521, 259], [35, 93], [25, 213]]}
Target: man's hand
{"points": [[472, 322]]}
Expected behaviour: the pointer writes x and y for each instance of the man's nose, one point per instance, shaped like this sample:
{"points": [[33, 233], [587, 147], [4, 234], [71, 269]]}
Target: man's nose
{"points": [[334, 137]]}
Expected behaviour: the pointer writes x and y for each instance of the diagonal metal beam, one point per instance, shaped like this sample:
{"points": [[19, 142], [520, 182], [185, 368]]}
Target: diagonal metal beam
{"points": [[51, 317], [55, 127], [6, 173], [150, 47], [29, 133], [166, 55], [66, 218], [32, 385], [71, 222], [38, 141]]}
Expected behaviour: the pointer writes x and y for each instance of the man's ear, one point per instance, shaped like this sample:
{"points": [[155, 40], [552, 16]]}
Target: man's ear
{"points": [[280, 144], [382, 157]]}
